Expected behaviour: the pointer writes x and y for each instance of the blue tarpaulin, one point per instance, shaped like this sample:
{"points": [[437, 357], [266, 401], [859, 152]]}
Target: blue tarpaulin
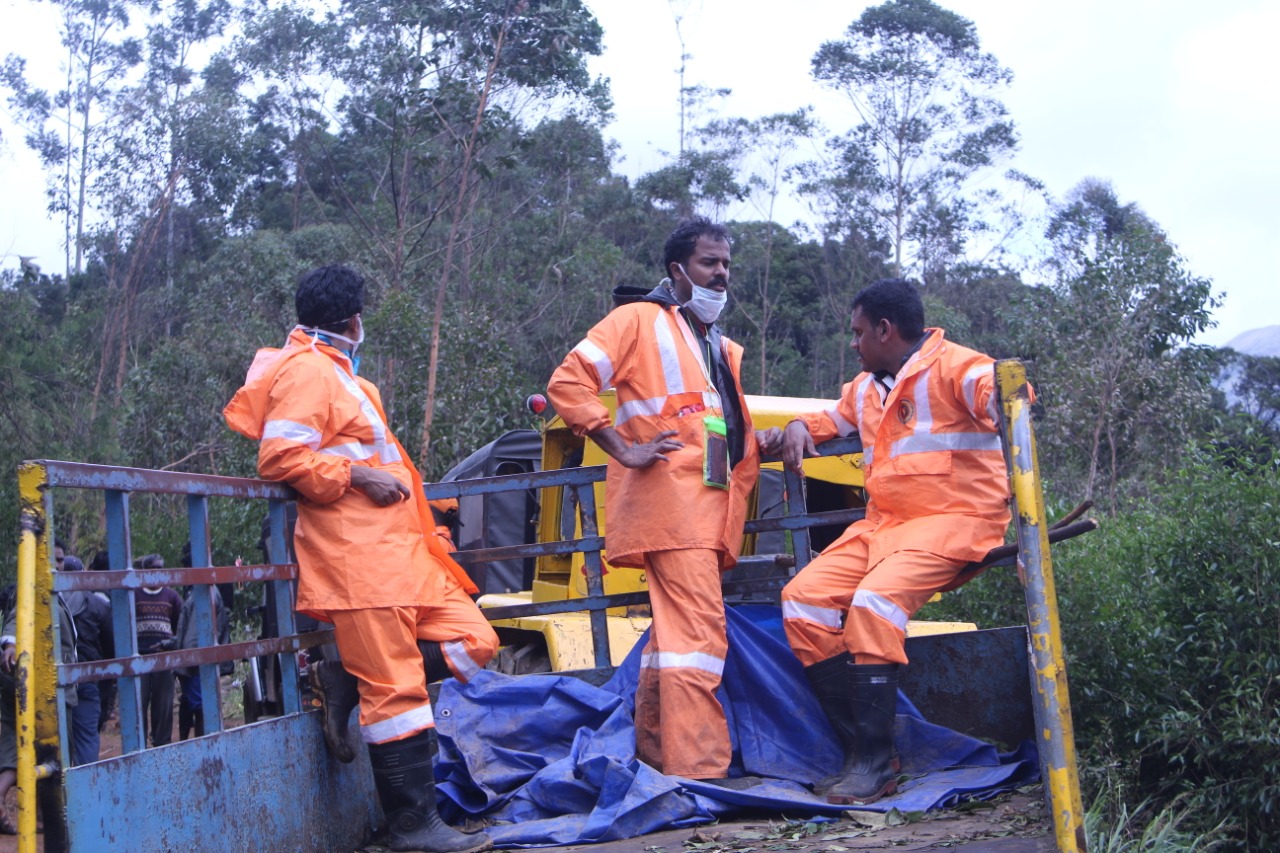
{"points": [[551, 759]]}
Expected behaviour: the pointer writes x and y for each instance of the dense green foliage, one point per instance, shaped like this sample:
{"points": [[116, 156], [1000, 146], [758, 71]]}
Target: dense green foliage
{"points": [[455, 152], [1171, 623]]}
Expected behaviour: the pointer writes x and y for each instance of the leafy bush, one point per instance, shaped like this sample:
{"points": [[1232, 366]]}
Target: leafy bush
{"points": [[1112, 827], [1171, 621]]}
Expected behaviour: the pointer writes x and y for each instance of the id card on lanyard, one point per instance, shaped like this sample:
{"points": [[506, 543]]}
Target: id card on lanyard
{"points": [[715, 438], [715, 453]]}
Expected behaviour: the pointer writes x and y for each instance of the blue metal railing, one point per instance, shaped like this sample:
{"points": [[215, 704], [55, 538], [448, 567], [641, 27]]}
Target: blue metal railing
{"points": [[94, 788]]}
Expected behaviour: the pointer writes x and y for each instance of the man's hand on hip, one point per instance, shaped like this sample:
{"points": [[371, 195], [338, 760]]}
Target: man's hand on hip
{"points": [[643, 455], [638, 455], [380, 486]]}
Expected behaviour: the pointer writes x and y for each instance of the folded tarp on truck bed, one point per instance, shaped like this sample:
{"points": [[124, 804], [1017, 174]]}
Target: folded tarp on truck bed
{"points": [[551, 759]]}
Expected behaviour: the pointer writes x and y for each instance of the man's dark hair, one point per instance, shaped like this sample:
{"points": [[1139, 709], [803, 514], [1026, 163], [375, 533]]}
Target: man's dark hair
{"points": [[679, 246], [101, 561], [896, 300], [328, 296]]}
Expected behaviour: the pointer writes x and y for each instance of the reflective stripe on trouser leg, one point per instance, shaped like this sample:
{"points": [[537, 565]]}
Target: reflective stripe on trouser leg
{"points": [[464, 635], [379, 647], [888, 596], [815, 603], [680, 725]]}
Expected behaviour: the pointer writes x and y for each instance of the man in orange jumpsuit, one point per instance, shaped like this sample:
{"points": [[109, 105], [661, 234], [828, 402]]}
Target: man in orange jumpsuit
{"points": [[369, 560], [937, 499], [683, 461]]}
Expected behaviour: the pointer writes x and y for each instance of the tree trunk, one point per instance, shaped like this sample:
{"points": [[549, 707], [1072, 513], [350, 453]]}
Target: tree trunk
{"points": [[460, 206]]}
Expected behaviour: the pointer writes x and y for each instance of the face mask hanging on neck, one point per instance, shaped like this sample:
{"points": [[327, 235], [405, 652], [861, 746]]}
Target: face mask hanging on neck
{"points": [[330, 337], [706, 304]]}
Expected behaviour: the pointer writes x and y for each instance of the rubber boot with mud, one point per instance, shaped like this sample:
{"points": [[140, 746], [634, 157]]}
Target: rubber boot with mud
{"points": [[406, 783], [873, 690], [832, 686], [339, 694]]}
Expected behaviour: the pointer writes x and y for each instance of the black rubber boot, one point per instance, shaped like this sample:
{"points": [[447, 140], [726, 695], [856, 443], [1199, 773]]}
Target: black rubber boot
{"points": [[433, 661], [339, 694], [873, 690], [830, 682], [831, 685], [406, 783]]}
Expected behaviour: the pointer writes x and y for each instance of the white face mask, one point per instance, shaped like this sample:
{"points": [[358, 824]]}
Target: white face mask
{"points": [[705, 303]]}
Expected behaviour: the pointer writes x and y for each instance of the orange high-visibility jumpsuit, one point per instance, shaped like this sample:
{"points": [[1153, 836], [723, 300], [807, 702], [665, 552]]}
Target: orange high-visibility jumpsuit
{"points": [[664, 519], [379, 574], [937, 499]]}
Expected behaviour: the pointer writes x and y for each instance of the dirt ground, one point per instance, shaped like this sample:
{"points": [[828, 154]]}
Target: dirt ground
{"points": [[1011, 823]]}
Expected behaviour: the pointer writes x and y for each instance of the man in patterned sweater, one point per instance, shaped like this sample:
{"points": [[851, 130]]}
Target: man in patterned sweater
{"points": [[156, 611]]}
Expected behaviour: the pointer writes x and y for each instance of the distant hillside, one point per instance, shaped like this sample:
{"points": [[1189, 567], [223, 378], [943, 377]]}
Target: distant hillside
{"points": [[1263, 341]]}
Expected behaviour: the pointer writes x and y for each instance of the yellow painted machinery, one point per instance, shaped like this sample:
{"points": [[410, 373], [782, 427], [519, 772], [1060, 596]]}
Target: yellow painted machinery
{"points": [[562, 641]]}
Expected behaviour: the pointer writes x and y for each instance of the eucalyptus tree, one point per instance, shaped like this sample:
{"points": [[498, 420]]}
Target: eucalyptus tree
{"points": [[68, 126], [144, 185], [282, 55], [764, 152], [927, 125], [426, 95], [1120, 380]]}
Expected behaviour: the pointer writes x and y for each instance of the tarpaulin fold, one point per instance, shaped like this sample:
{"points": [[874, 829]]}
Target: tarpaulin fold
{"points": [[551, 759]]}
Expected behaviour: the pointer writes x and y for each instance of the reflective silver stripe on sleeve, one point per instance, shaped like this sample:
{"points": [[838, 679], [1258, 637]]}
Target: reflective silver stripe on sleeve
{"points": [[353, 450], [598, 358], [970, 385], [292, 431], [688, 660], [868, 454], [669, 354], [386, 449], [859, 397], [945, 441], [827, 616], [843, 427], [924, 412], [882, 607], [401, 724], [633, 408], [456, 653]]}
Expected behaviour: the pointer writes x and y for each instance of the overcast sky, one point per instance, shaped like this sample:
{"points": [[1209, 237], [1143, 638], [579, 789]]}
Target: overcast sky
{"points": [[1176, 103]]}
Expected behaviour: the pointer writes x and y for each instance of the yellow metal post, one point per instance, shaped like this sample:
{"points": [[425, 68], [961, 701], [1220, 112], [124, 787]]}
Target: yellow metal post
{"points": [[1056, 738], [37, 654]]}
